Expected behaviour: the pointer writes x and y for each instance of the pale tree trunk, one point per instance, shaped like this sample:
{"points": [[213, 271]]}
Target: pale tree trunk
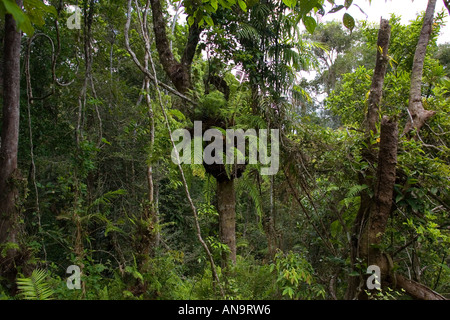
{"points": [[417, 114], [151, 216], [9, 175], [226, 202]]}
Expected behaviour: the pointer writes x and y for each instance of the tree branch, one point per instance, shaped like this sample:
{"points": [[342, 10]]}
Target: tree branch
{"points": [[417, 290], [418, 114]]}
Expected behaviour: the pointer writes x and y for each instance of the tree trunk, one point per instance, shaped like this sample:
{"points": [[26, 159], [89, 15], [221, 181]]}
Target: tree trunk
{"points": [[376, 89], [375, 95], [9, 175], [376, 213], [417, 114], [226, 203], [179, 72], [384, 189]]}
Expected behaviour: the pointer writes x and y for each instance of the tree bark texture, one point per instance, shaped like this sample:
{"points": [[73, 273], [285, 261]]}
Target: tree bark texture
{"points": [[417, 114], [372, 118], [384, 189], [371, 226], [9, 175]]}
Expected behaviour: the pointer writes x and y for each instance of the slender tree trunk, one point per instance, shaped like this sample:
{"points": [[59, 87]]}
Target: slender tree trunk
{"points": [[151, 217], [376, 89], [9, 175], [384, 189], [226, 199], [417, 114]]}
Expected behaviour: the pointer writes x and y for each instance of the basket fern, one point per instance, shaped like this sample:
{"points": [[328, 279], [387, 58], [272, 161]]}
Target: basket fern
{"points": [[35, 287]]}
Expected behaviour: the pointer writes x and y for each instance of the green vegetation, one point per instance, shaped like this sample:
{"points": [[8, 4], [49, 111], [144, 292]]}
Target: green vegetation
{"points": [[92, 182]]}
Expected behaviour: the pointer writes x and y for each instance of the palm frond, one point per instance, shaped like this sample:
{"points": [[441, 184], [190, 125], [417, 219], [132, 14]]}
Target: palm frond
{"points": [[35, 287], [247, 32]]}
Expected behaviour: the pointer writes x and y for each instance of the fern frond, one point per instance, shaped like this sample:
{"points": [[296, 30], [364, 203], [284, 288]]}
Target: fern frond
{"points": [[106, 198], [248, 184], [356, 189]]}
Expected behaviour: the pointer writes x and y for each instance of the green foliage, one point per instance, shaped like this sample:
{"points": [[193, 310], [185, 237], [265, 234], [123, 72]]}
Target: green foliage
{"points": [[211, 105], [34, 13], [35, 287], [387, 294], [295, 277], [91, 204], [349, 99], [348, 21]]}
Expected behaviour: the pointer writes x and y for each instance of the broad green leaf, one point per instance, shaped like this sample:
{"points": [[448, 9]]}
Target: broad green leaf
{"points": [[348, 3], [335, 228], [310, 24], [288, 3], [307, 6], [214, 4], [242, 5], [190, 20], [22, 20], [177, 113], [36, 10], [348, 21], [209, 21]]}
